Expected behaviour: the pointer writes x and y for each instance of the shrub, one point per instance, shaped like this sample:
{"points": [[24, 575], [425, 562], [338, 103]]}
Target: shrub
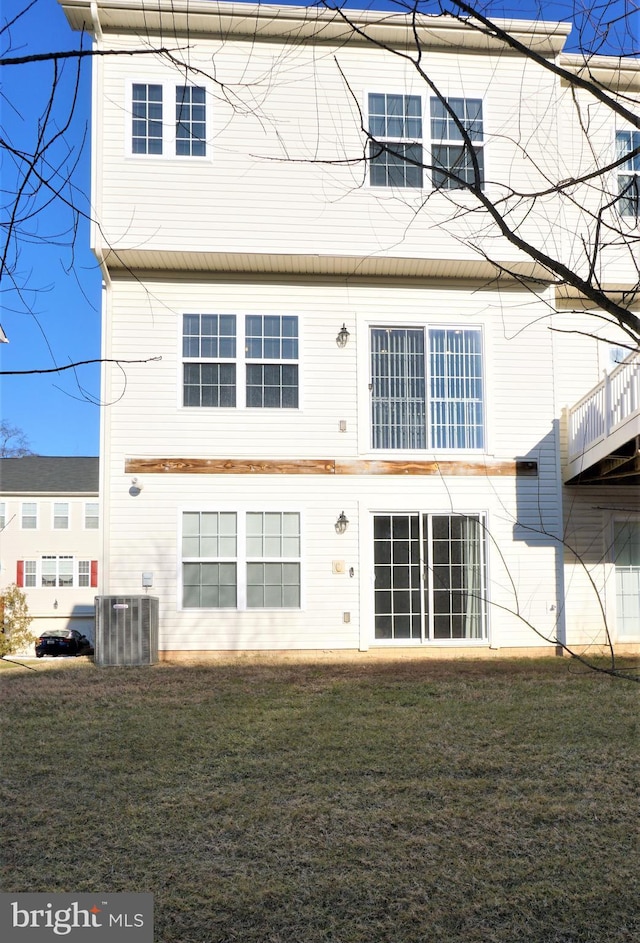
{"points": [[14, 614]]}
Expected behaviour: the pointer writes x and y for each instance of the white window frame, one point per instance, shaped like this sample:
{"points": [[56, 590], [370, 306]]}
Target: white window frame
{"points": [[241, 559], [3, 515], [242, 361], [92, 516], [169, 119], [429, 446], [404, 140], [61, 519], [455, 142], [29, 516], [628, 173]]}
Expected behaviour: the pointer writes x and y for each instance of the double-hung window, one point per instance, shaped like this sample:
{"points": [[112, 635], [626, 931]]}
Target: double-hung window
{"points": [[152, 129], [395, 145], [191, 123], [628, 173], [238, 560], [427, 388], [230, 360], [92, 515], [60, 515], [146, 119], [457, 143], [29, 515]]}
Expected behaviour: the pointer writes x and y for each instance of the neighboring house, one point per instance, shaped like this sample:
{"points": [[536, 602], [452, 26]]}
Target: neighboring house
{"points": [[353, 434], [50, 537]]}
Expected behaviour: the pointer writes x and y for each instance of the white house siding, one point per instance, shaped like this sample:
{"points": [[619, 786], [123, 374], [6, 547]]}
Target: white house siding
{"points": [[284, 171], [523, 514]]}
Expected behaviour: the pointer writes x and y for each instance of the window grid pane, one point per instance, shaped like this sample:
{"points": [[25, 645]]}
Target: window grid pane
{"points": [[29, 572], [146, 109], [60, 516], [395, 157], [453, 163], [84, 572], [92, 515], [628, 182], [191, 128], [29, 515], [271, 338]]}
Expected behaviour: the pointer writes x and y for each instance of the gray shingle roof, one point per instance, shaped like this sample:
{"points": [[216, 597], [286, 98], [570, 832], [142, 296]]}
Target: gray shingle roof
{"points": [[36, 474]]}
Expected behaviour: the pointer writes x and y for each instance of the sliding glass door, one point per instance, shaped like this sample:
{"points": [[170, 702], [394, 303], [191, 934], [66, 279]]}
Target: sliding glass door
{"points": [[430, 579]]}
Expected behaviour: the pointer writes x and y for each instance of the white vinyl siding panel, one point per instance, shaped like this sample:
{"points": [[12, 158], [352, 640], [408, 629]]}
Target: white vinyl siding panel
{"points": [[235, 200]]}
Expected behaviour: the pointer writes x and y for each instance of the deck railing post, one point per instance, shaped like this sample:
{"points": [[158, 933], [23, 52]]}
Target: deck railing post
{"points": [[607, 404]]}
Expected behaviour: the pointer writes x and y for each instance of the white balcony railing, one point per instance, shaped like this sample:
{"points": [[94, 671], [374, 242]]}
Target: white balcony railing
{"points": [[606, 408]]}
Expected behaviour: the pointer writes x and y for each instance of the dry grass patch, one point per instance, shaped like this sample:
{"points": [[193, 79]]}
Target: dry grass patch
{"points": [[406, 802]]}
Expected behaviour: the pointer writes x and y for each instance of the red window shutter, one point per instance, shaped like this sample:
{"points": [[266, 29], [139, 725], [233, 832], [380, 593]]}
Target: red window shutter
{"points": [[20, 573], [94, 572]]}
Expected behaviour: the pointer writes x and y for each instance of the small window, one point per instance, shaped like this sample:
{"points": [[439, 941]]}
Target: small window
{"points": [[456, 143], [629, 173], [29, 515], [146, 133], [84, 572], [92, 515], [3, 513], [191, 124], [29, 573], [60, 515], [395, 148]]}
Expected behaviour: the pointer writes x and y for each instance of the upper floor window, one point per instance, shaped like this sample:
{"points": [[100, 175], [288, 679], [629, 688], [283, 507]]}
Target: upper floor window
{"points": [[29, 515], [153, 132], [91, 515], [456, 143], [60, 515], [232, 361], [629, 173], [395, 156], [427, 388], [146, 110], [191, 124]]}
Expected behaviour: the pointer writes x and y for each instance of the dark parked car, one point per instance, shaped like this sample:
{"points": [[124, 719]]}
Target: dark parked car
{"points": [[63, 642]]}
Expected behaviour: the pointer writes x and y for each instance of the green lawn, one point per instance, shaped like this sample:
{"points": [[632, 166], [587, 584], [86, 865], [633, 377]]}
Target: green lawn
{"points": [[369, 802]]}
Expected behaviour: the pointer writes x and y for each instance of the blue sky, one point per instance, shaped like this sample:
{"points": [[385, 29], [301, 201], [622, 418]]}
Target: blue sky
{"points": [[55, 319]]}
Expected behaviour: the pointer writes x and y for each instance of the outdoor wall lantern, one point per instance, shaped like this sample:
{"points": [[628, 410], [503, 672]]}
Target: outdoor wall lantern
{"points": [[55, 603], [342, 523], [343, 336]]}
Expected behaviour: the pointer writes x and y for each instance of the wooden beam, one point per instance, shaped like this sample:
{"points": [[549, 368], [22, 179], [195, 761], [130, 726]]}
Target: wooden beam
{"points": [[327, 466]]}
